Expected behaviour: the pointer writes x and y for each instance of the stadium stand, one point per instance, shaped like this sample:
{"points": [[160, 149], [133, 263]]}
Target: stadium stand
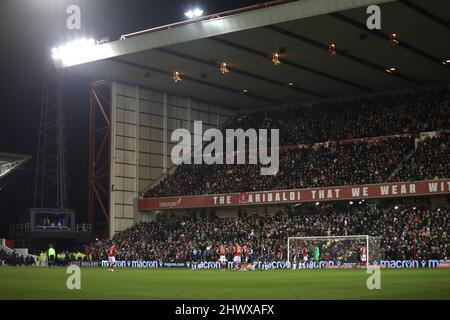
{"points": [[15, 259], [359, 141], [430, 160], [408, 232], [300, 167], [377, 139], [379, 115]]}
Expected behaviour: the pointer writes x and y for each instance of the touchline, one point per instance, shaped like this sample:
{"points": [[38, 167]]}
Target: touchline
{"points": [[235, 147]]}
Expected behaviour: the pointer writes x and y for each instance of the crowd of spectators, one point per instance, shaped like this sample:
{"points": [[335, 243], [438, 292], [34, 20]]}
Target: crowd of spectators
{"points": [[406, 233], [431, 160], [300, 167], [380, 115], [15, 259], [322, 145], [326, 150], [39, 257]]}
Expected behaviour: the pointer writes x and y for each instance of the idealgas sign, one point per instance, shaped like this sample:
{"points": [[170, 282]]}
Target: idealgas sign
{"points": [[370, 191]]}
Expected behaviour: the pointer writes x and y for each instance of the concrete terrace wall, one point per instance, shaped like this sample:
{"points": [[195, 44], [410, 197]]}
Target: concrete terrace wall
{"points": [[142, 123]]}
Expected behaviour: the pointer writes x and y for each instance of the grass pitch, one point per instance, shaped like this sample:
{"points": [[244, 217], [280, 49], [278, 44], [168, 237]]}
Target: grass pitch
{"points": [[96, 283]]}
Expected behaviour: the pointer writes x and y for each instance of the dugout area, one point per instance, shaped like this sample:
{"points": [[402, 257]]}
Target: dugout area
{"points": [[137, 104]]}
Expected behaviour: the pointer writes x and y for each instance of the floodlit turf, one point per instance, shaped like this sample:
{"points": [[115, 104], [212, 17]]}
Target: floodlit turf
{"points": [[96, 283]]}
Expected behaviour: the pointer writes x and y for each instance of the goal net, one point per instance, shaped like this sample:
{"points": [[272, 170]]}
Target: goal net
{"points": [[333, 251]]}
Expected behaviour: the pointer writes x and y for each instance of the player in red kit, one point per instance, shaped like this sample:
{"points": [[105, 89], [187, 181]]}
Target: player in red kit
{"points": [[305, 257], [237, 251], [222, 257], [112, 252], [363, 255]]}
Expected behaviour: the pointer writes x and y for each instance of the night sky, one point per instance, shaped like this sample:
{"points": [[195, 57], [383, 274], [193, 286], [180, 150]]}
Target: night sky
{"points": [[24, 49]]}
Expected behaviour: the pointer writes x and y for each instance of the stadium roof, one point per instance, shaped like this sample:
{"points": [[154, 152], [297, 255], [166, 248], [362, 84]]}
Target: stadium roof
{"points": [[300, 31], [9, 162]]}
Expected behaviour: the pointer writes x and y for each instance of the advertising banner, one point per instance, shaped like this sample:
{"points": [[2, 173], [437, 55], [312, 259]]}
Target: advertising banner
{"points": [[385, 264], [370, 191]]}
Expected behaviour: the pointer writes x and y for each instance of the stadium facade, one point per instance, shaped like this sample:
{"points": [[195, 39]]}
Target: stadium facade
{"points": [[137, 104]]}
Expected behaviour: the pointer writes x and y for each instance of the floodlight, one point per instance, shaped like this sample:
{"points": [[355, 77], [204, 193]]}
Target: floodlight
{"points": [[77, 51], [194, 13]]}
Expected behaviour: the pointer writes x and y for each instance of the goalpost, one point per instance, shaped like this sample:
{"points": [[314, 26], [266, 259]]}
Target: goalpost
{"points": [[336, 249]]}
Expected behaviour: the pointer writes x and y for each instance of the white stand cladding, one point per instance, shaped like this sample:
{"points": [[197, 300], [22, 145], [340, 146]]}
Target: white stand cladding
{"points": [[142, 124]]}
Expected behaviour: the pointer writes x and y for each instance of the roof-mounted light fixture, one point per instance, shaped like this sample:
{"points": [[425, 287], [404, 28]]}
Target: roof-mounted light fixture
{"points": [[224, 68], [177, 76], [332, 49], [394, 38], [276, 59], [391, 70]]}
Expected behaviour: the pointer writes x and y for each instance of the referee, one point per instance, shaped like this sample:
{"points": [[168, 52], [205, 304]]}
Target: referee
{"points": [[51, 256]]}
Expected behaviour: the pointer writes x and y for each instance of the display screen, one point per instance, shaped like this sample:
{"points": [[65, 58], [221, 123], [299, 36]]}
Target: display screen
{"points": [[51, 220]]}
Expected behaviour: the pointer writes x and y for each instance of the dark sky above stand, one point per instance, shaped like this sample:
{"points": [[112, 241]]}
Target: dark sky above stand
{"points": [[24, 48]]}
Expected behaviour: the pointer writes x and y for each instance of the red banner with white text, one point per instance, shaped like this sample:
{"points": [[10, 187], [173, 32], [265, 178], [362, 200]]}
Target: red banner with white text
{"points": [[370, 191]]}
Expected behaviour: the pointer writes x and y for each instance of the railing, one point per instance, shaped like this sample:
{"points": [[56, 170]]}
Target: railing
{"points": [[19, 229], [22, 228], [83, 227]]}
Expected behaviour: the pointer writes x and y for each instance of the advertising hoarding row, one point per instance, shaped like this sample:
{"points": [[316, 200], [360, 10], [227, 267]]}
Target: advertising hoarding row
{"points": [[390, 264]]}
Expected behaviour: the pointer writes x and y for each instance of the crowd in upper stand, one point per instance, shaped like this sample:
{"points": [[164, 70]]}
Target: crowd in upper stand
{"points": [[407, 232], [380, 115], [431, 160], [335, 164], [312, 164]]}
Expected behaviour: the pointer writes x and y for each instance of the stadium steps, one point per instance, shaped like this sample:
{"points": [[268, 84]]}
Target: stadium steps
{"points": [[404, 161], [4, 247], [20, 251]]}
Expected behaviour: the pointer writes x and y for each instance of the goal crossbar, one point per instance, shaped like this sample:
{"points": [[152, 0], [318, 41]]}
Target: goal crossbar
{"points": [[332, 237]]}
